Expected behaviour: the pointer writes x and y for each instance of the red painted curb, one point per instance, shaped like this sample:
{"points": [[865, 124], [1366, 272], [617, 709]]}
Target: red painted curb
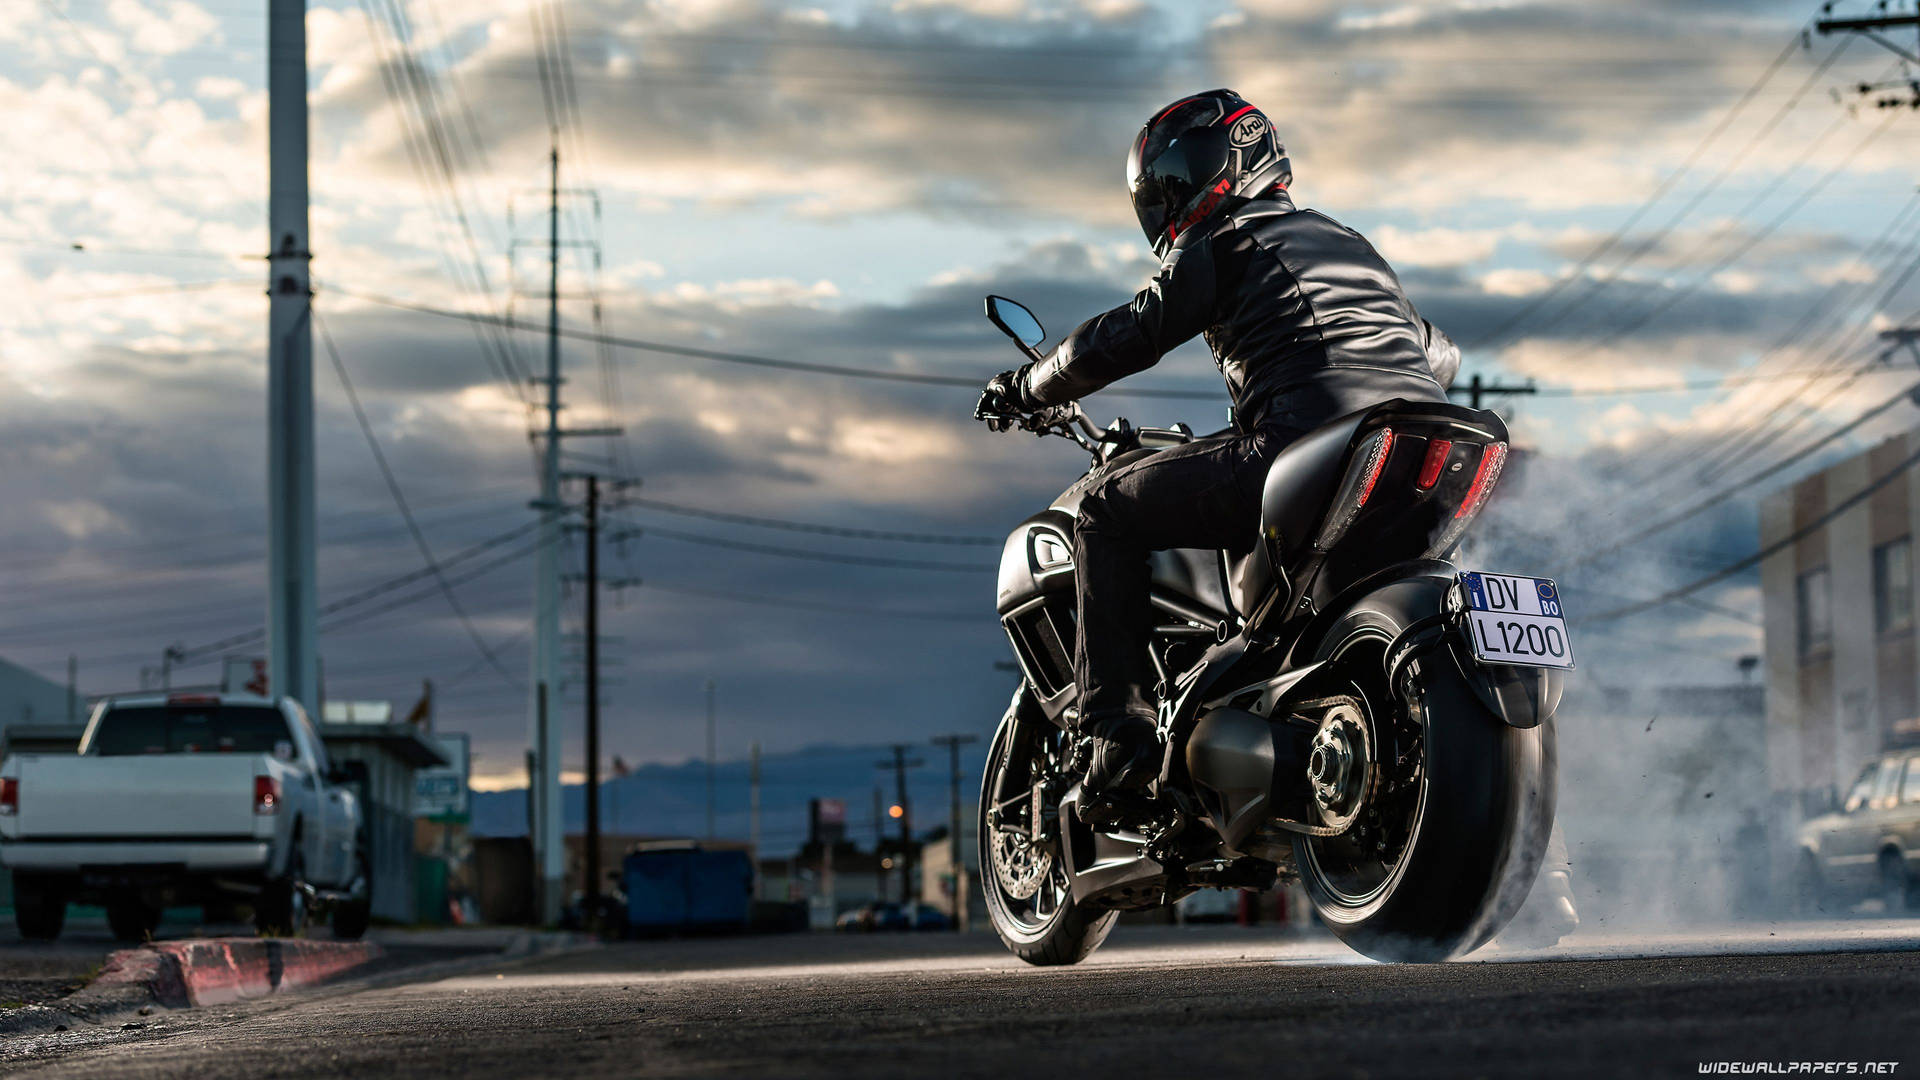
{"points": [[211, 971]]}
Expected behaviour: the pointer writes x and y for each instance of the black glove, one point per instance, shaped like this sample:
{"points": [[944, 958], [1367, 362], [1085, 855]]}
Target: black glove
{"points": [[1004, 400]]}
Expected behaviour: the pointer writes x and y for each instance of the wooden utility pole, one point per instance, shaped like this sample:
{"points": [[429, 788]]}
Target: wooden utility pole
{"points": [[956, 859], [1476, 389], [900, 763], [593, 702]]}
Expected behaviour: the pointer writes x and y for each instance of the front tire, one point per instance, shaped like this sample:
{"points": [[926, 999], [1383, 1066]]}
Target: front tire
{"points": [[1436, 868], [1044, 927]]}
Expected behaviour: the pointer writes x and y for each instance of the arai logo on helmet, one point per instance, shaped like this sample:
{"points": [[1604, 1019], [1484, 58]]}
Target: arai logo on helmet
{"points": [[1247, 130]]}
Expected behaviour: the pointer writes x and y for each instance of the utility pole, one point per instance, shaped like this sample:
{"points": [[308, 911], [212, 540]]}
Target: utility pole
{"points": [[293, 626], [710, 830], [956, 859], [1869, 26], [549, 836], [753, 811], [1477, 389], [900, 764], [593, 701]]}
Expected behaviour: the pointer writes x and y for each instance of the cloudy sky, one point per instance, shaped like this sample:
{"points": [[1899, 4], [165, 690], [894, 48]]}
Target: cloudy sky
{"points": [[839, 183]]}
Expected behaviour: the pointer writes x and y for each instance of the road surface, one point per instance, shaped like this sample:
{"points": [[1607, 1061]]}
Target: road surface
{"points": [[1178, 1000]]}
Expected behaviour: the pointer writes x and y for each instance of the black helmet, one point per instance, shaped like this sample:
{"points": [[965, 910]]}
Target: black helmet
{"points": [[1194, 155]]}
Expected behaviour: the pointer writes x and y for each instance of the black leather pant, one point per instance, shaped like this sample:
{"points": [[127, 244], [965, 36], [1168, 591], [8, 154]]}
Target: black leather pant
{"points": [[1205, 494]]}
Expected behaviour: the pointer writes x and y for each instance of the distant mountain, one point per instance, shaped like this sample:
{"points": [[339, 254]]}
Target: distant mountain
{"points": [[670, 800]]}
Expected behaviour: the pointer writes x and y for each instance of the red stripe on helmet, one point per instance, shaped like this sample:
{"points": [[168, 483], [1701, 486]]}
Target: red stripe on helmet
{"points": [[1169, 109], [1244, 110]]}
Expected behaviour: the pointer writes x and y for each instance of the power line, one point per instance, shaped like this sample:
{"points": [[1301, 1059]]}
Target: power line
{"points": [[746, 359], [1754, 559], [1613, 239], [1731, 490], [811, 527], [809, 605], [400, 502], [817, 556]]}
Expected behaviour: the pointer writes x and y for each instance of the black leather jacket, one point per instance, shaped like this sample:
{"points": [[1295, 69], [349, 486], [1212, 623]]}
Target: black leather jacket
{"points": [[1306, 321]]}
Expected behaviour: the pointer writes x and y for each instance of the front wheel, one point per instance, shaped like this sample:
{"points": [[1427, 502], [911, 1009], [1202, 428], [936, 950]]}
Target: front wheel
{"points": [[1455, 829], [1025, 879]]}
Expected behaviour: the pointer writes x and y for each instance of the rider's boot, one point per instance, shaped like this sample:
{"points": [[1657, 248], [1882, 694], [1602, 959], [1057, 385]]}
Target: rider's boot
{"points": [[1125, 758]]}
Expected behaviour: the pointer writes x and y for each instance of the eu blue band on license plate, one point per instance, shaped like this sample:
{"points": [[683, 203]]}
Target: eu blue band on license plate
{"points": [[1516, 620]]}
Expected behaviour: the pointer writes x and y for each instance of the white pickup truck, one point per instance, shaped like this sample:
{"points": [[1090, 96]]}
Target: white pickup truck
{"points": [[184, 799]]}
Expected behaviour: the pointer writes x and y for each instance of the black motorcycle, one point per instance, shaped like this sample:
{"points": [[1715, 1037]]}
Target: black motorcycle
{"points": [[1339, 702]]}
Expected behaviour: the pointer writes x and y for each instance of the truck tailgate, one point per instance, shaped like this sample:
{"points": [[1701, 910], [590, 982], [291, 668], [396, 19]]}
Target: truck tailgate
{"points": [[148, 795]]}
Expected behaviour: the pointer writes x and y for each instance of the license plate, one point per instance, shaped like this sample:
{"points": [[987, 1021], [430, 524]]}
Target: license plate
{"points": [[1516, 620]]}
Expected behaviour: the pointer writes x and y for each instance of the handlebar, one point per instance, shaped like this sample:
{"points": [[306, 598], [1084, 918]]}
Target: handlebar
{"points": [[1068, 421]]}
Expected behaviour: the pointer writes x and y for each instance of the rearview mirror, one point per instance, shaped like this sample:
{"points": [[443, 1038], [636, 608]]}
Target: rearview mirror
{"points": [[1015, 321]]}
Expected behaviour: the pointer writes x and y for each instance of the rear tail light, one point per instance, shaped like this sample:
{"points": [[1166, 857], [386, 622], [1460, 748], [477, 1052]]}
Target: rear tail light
{"points": [[1363, 472], [1436, 461], [9, 797], [266, 795], [1491, 461], [1483, 480]]}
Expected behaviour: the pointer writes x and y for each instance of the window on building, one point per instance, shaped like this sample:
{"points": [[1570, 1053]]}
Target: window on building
{"points": [[1893, 586], [1813, 594]]}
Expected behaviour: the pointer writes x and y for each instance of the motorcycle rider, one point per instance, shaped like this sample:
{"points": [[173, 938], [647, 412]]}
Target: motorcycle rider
{"points": [[1307, 323]]}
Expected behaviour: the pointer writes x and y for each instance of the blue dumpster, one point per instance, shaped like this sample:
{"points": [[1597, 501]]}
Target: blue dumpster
{"points": [[688, 889]]}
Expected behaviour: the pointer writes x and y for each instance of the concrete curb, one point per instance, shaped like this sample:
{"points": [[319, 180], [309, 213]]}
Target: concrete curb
{"points": [[215, 971], [185, 974]]}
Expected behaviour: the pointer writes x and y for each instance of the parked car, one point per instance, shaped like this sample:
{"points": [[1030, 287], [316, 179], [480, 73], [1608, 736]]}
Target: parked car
{"points": [[185, 799], [880, 915], [1870, 844]]}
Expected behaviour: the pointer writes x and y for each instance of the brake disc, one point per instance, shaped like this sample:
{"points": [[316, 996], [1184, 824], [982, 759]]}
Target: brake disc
{"points": [[1019, 864]]}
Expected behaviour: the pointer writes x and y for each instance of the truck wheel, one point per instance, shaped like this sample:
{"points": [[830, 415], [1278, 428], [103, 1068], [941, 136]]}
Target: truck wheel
{"points": [[39, 906], [131, 918], [281, 908], [351, 916]]}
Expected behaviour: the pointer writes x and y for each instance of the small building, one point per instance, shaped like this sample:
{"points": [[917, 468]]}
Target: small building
{"points": [[38, 714], [1842, 659], [381, 757]]}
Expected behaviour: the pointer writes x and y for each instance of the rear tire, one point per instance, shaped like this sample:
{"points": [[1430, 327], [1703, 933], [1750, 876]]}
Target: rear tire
{"points": [[1477, 818], [1047, 928], [1895, 888], [352, 916], [131, 918], [281, 908], [39, 906]]}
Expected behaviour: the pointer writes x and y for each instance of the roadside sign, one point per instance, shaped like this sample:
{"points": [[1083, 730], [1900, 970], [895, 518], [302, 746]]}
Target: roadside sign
{"points": [[440, 792]]}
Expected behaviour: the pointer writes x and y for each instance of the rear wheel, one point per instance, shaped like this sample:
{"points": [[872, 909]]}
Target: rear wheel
{"points": [[351, 916], [1456, 823], [131, 918], [281, 908], [1894, 886], [39, 906], [1025, 879]]}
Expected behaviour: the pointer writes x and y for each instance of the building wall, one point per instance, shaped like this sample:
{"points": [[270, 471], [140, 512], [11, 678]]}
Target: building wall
{"points": [[27, 698], [1829, 711]]}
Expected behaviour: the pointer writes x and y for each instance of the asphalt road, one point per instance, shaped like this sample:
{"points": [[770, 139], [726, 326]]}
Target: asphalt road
{"points": [[1155, 1000]]}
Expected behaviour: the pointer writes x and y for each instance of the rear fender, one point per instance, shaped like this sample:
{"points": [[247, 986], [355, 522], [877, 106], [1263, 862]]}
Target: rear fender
{"points": [[1426, 611]]}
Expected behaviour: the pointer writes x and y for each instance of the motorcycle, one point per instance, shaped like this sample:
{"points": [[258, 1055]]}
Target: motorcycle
{"points": [[1339, 703]]}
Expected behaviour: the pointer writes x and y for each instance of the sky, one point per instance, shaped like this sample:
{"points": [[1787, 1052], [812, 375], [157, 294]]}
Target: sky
{"points": [[841, 184]]}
